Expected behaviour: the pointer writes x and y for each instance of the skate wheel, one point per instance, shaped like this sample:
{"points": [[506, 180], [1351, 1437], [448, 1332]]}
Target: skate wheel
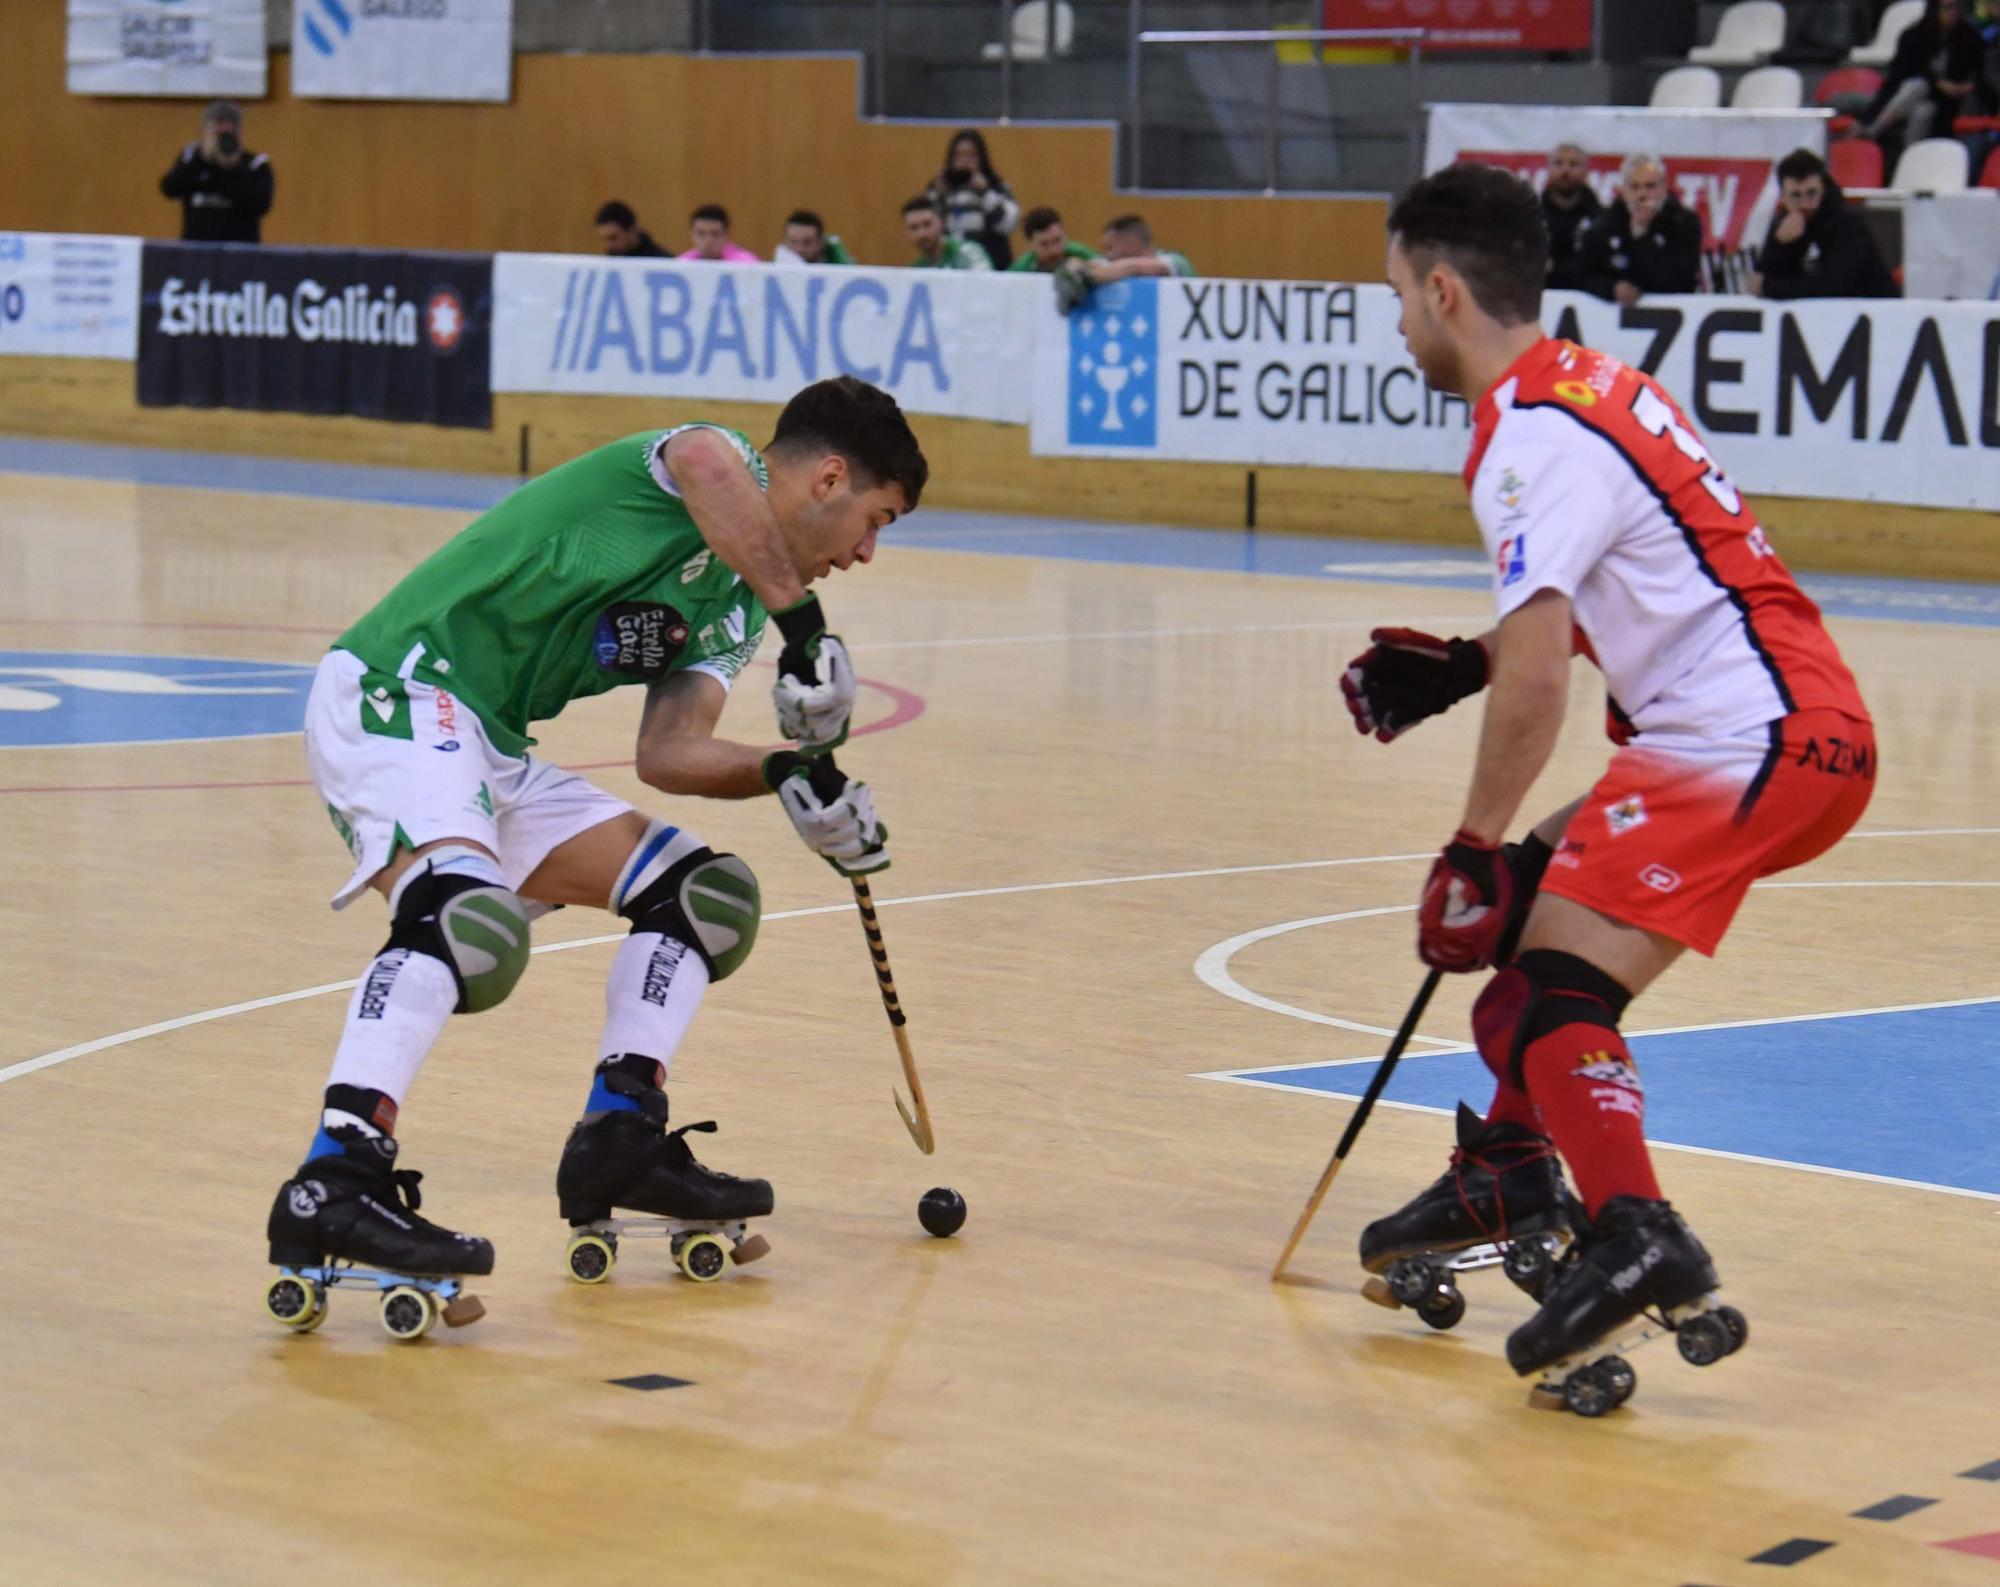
{"points": [[300, 1306], [462, 1309], [1377, 1290], [1617, 1371], [703, 1257], [1528, 1266], [1443, 1310], [591, 1258], [1704, 1340], [1590, 1391], [1738, 1326], [752, 1248], [408, 1313], [1412, 1283]]}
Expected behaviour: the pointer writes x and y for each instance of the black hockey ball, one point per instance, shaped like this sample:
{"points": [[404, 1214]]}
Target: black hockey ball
{"points": [[941, 1212]]}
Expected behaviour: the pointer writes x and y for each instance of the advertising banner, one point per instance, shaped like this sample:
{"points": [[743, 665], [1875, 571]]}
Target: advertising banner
{"points": [[68, 297], [1871, 401], [403, 49], [317, 330], [1720, 162], [939, 341], [199, 48], [1473, 24]]}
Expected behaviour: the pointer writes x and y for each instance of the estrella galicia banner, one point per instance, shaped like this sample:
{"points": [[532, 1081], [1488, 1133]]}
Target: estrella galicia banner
{"points": [[402, 336]]}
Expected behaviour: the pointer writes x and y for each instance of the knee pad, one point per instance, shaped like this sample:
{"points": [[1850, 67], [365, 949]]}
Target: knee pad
{"points": [[1556, 989], [678, 886], [451, 906]]}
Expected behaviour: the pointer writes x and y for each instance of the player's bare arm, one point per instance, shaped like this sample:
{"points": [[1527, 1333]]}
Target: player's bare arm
{"points": [[1524, 712], [678, 752], [734, 517]]}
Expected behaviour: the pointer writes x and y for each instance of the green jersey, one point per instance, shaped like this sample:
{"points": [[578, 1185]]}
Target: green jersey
{"points": [[958, 253], [1071, 250], [590, 577]]}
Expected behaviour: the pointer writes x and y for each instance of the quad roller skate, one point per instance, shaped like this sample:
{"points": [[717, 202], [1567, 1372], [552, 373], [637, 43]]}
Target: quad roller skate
{"points": [[352, 1219], [1502, 1204], [633, 1161], [1637, 1272]]}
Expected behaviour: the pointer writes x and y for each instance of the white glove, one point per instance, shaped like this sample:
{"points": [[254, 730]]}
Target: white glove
{"points": [[841, 826], [814, 694]]}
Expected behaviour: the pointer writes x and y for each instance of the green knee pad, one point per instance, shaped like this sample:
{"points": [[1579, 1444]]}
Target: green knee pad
{"points": [[486, 931], [678, 886]]}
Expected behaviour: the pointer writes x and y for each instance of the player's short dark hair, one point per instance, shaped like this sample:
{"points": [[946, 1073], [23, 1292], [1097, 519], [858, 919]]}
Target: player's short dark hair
{"points": [[710, 212], [1801, 164], [806, 217], [1131, 226], [862, 424], [615, 213], [1487, 225], [1039, 220], [924, 201]]}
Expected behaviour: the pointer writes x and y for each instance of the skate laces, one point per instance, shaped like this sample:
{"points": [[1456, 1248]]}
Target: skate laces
{"points": [[1464, 1156]]}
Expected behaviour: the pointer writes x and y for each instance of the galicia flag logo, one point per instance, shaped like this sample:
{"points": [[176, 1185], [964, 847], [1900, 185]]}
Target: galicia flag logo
{"points": [[444, 320]]}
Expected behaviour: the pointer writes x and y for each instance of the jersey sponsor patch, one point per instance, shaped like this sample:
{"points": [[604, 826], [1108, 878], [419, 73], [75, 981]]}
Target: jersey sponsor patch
{"points": [[639, 639], [1512, 560], [1626, 814]]}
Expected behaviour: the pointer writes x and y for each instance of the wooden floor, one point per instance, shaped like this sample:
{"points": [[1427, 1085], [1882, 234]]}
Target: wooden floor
{"points": [[1095, 1382]]}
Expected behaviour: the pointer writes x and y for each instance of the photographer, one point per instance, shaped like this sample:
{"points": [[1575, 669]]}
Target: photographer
{"points": [[978, 205], [224, 188]]}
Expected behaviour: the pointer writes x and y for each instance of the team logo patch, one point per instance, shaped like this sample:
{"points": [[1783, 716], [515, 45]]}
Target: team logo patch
{"points": [[696, 566], [1576, 391], [639, 639], [1628, 813], [1660, 879], [1510, 488], [1512, 560]]}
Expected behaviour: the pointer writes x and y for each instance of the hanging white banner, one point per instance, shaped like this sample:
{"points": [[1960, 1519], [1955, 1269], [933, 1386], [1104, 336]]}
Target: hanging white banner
{"points": [[196, 48], [939, 341], [1720, 162], [67, 296], [402, 49], [1951, 245]]}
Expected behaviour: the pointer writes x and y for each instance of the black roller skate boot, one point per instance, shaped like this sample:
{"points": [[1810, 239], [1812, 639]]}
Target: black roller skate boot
{"points": [[1636, 1272], [632, 1161], [351, 1217], [1502, 1203]]}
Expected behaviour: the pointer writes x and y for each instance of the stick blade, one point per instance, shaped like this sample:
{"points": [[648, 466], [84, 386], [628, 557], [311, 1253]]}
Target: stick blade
{"points": [[919, 1132]]}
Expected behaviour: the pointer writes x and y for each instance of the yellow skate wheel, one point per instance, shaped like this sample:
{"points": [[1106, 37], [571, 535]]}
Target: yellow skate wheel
{"points": [[408, 1313], [591, 1258], [703, 1257], [293, 1302]]}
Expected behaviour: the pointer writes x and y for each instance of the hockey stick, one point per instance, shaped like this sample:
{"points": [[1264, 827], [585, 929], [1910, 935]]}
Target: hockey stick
{"points": [[1383, 1070]]}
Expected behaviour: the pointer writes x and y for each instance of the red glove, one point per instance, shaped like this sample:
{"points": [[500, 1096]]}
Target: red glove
{"points": [[1467, 900], [1405, 676]]}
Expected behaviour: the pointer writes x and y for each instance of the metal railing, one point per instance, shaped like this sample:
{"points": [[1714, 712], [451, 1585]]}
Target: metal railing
{"points": [[1411, 38]]}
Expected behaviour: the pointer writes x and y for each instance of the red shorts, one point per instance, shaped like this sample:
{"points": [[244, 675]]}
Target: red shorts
{"points": [[1675, 832]]}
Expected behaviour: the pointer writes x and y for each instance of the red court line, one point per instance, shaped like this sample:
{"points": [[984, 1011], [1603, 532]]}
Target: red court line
{"points": [[906, 707], [317, 630]]}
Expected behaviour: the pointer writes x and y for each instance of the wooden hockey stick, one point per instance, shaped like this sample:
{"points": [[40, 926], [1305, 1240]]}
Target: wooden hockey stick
{"points": [[1383, 1070], [919, 1126]]}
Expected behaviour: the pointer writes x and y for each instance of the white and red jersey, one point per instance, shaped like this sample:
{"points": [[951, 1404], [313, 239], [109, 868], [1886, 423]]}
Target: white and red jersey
{"points": [[1587, 479]]}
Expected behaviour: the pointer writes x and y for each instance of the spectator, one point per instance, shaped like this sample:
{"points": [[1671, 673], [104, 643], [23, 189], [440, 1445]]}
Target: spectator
{"points": [[806, 242], [1568, 208], [623, 237], [1818, 247], [708, 230], [1048, 243], [1936, 66], [923, 224], [1129, 251], [977, 204], [1647, 241], [224, 188]]}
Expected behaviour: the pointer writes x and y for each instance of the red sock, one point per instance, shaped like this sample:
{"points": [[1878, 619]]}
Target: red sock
{"points": [[1587, 1090], [1494, 1019]]}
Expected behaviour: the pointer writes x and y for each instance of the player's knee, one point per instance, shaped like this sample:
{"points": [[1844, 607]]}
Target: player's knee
{"points": [[1562, 990], [1497, 1015], [453, 906], [676, 885]]}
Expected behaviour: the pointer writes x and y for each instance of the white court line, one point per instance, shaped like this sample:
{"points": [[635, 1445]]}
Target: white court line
{"points": [[869, 647]]}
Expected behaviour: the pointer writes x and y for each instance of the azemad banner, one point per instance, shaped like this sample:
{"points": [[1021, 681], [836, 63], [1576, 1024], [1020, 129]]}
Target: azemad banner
{"points": [[403, 49], [939, 341], [1721, 163], [68, 297], [201, 48], [317, 330], [1873, 401]]}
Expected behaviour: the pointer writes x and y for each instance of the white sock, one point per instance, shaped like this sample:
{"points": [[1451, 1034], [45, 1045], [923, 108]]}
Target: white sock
{"points": [[394, 1019], [650, 997]]}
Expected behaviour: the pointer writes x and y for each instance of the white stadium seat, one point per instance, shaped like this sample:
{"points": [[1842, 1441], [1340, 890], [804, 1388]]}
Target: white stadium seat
{"points": [[1895, 21], [1687, 88], [1041, 28], [1769, 88], [1934, 165], [1749, 31]]}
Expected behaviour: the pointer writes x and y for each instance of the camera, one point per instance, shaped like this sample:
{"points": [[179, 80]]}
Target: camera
{"points": [[227, 144]]}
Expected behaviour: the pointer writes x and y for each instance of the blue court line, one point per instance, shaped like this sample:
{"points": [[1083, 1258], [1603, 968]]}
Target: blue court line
{"points": [[1906, 1094], [992, 534]]}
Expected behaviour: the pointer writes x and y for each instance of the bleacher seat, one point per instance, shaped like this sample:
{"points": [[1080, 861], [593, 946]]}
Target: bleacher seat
{"points": [[1989, 173], [1687, 88], [1750, 31], [1042, 28], [1855, 162], [1899, 17], [1769, 88], [1932, 165], [1847, 80]]}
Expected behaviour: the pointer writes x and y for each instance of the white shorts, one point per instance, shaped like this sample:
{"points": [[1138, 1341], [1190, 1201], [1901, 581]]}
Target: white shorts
{"points": [[395, 773]]}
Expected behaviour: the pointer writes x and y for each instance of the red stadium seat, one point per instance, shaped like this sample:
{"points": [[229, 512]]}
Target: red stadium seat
{"points": [[1989, 173], [1847, 80], [1855, 162]]}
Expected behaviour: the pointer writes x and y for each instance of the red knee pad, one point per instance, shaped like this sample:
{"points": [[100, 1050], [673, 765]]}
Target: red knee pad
{"points": [[1497, 1017]]}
